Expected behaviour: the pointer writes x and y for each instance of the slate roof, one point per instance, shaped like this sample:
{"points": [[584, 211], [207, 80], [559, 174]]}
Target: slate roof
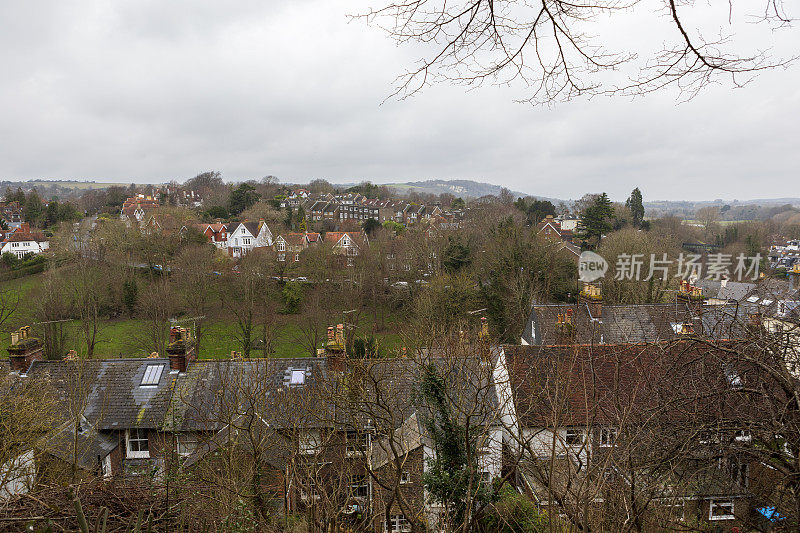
{"points": [[408, 437], [767, 296], [729, 290], [212, 392], [108, 391], [87, 451], [628, 323]]}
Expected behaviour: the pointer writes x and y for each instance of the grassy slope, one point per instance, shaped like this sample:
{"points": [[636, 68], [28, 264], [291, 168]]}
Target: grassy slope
{"points": [[124, 337]]}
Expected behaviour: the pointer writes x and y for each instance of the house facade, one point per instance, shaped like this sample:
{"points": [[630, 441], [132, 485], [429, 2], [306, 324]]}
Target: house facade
{"points": [[24, 241], [245, 236]]}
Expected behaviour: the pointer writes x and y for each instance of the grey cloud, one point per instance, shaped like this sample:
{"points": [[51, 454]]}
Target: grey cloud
{"points": [[158, 90]]}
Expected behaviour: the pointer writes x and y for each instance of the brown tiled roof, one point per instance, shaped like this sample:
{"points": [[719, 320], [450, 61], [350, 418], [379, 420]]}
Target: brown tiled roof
{"points": [[583, 385], [20, 237]]}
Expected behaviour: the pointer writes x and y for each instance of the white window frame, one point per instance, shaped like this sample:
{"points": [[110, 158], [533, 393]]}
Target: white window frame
{"points": [[245, 241], [135, 435], [712, 505], [405, 477], [359, 483], [398, 523], [569, 434], [281, 246], [308, 442], [106, 467]]}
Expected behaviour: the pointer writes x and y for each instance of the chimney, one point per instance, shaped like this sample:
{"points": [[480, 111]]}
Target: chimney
{"points": [[484, 334], [592, 296], [565, 327], [794, 277], [181, 348], [692, 296], [335, 347], [24, 350]]}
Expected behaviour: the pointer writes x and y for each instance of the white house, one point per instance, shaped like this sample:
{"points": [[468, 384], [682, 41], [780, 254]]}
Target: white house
{"points": [[21, 244], [244, 236]]}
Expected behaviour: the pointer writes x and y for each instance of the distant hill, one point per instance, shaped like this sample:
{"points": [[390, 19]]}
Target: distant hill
{"points": [[462, 188]]}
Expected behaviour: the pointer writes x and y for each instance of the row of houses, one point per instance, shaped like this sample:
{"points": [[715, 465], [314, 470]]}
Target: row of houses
{"points": [[569, 420], [239, 238]]}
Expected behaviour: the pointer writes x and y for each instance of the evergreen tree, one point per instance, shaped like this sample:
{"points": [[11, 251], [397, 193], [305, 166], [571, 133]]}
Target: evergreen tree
{"points": [[242, 197], [452, 473], [634, 203], [33, 210], [596, 219]]}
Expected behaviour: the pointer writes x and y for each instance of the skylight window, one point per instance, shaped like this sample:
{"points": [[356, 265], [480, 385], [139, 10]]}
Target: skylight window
{"points": [[298, 377], [766, 302], [752, 299], [152, 375]]}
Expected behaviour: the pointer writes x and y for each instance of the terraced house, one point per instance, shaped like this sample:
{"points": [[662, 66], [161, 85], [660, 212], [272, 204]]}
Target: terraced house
{"points": [[679, 431]]}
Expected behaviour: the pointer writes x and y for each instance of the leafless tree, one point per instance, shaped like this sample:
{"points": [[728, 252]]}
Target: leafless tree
{"points": [[548, 45]]}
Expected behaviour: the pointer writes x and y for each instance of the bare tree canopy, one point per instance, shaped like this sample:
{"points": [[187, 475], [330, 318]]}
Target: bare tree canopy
{"points": [[560, 49]]}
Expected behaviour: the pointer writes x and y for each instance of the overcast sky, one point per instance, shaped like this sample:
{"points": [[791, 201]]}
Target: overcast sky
{"points": [[149, 91]]}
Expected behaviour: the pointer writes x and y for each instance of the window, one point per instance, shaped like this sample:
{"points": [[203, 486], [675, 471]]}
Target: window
{"points": [[297, 377], [359, 488], [398, 523], [186, 444], [297, 257], [720, 510], [152, 375], [738, 471], [405, 478], [733, 377], [607, 437], [281, 257], [743, 436], [281, 246], [105, 467], [308, 442], [245, 240], [356, 442], [15, 245], [574, 437], [137, 444], [485, 478]]}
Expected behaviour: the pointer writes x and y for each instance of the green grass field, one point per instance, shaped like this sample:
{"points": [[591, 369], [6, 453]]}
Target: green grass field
{"points": [[129, 337]]}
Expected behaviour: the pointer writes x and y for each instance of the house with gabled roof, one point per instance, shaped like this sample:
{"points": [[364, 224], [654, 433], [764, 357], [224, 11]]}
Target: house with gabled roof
{"points": [[346, 244], [216, 233], [23, 241], [245, 236], [135, 209], [290, 246]]}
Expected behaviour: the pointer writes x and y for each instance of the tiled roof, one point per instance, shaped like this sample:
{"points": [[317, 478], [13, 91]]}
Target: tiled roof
{"points": [[22, 237], [611, 384]]}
